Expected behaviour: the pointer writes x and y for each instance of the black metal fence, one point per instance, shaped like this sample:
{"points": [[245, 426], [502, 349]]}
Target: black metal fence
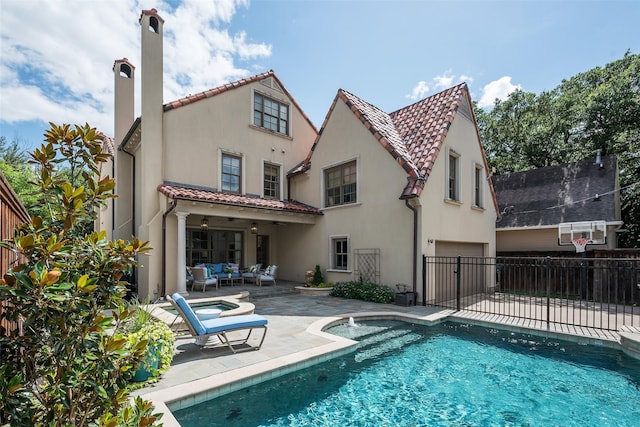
{"points": [[601, 293]]}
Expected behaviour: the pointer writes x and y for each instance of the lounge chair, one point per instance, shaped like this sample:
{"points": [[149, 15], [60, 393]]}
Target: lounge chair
{"points": [[220, 326], [252, 273], [200, 278], [269, 275]]}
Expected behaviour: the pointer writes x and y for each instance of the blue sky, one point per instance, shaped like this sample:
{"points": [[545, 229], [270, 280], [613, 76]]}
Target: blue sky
{"points": [[56, 56]]}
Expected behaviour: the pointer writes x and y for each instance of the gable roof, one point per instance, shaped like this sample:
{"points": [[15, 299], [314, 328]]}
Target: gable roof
{"points": [[233, 85], [200, 194], [581, 191], [135, 129], [413, 135]]}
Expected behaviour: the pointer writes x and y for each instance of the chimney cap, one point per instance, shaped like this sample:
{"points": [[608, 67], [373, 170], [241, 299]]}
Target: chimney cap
{"points": [[151, 12], [123, 60]]}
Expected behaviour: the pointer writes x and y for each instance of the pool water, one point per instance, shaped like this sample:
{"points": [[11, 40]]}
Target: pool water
{"points": [[450, 374]]}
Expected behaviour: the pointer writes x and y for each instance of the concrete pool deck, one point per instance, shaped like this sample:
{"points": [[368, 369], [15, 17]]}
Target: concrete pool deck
{"points": [[295, 340]]}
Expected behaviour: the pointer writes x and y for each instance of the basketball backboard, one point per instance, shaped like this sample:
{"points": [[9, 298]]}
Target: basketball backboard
{"points": [[582, 233]]}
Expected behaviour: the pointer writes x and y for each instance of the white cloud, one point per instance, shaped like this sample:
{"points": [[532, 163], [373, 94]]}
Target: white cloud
{"points": [[419, 91], [497, 89], [56, 59], [440, 82]]}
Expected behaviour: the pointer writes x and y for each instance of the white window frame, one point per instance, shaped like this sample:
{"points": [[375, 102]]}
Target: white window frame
{"points": [[333, 239], [477, 194], [280, 178], [243, 175], [323, 181], [457, 197]]}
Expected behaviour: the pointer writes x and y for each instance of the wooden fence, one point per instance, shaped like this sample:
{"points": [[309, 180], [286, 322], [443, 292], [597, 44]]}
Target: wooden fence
{"points": [[12, 214]]}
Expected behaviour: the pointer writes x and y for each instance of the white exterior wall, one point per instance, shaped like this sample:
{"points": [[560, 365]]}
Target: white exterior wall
{"points": [[195, 137], [443, 220], [378, 220]]}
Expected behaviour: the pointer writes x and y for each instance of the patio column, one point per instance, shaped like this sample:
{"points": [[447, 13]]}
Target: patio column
{"points": [[181, 265]]}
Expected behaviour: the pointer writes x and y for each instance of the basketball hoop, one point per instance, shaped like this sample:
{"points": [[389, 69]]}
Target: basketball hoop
{"points": [[580, 244]]}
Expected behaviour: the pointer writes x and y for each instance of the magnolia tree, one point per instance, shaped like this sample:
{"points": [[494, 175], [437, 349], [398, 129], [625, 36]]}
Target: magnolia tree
{"points": [[68, 363]]}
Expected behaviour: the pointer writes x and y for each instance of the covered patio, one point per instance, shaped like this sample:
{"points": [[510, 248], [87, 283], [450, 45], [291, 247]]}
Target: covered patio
{"points": [[202, 225]]}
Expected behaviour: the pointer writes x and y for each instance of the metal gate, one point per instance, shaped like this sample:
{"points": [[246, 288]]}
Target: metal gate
{"points": [[602, 293]]}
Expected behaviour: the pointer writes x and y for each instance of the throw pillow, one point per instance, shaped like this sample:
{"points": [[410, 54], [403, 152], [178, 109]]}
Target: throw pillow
{"points": [[252, 269]]}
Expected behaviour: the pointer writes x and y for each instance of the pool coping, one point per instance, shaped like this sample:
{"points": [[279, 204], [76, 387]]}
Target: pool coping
{"points": [[188, 394]]}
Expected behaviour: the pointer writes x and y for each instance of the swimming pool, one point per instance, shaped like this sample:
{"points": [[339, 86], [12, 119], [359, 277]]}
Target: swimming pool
{"points": [[411, 375]]}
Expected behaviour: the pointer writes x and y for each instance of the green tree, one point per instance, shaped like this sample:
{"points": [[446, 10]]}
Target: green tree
{"points": [[597, 109], [70, 364], [14, 164]]}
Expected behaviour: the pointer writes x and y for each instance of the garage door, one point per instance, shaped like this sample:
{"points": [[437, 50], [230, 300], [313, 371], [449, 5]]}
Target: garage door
{"points": [[472, 277], [458, 248]]}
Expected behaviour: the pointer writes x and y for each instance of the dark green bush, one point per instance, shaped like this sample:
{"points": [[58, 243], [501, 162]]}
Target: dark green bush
{"points": [[364, 291], [317, 276]]}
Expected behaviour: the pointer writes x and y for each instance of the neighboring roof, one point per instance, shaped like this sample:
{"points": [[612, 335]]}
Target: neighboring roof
{"points": [[413, 135], [184, 192], [581, 191]]}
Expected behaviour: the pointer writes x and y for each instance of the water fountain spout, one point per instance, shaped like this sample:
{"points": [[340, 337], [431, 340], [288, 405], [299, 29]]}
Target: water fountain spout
{"points": [[352, 323]]}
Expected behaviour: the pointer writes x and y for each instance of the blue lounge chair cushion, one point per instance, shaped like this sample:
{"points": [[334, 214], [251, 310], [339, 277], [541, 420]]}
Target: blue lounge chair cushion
{"points": [[222, 324], [191, 316], [219, 324]]}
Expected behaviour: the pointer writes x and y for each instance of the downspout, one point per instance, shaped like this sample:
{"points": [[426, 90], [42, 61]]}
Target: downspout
{"points": [[163, 288], [415, 245]]}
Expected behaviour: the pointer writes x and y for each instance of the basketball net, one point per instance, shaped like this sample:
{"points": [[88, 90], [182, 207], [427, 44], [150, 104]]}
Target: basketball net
{"points": [[580, 244]]}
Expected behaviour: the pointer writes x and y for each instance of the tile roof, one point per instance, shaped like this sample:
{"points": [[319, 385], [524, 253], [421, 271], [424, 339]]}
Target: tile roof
{"points": [[423, 127], [413, 135], [183, 192], [581, 191]]}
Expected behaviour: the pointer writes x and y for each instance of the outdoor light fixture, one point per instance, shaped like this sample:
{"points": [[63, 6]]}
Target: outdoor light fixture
{"points": [[205, 223], [254, 228]]}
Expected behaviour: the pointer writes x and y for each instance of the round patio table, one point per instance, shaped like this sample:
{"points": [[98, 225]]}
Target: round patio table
{"points": [[206, 314]]}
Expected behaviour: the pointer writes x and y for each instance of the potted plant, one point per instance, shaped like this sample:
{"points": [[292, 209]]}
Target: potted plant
{"points": [[228, 270], [143, 330]]}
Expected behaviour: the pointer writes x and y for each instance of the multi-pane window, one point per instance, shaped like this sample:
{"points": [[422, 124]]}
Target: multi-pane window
{"points": [[340, 184], [231, 173], [340, 249], [477, 186], [452, 193], [272, 181], [270, 114]]}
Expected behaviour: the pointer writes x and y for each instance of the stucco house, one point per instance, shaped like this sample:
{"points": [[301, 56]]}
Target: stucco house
{"points": [[239, 174], [533, 203]]}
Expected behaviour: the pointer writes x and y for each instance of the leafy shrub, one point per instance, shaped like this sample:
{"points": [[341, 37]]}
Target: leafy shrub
{"points": [[364, 291], [70, 364]]}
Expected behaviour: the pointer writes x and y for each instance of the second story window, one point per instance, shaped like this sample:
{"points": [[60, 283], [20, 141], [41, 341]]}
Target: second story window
{"points": [[340, 184], [477, 186], [271, 181], [453, 190], [270, 114], [231, 173]]}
